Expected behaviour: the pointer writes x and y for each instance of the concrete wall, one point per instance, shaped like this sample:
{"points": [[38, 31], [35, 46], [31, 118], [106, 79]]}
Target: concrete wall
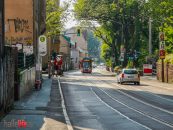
{"points": [[27, 80], [19, 24], [64, 46], [1, 28], [7, 78], [65, 51], [168, 72]]}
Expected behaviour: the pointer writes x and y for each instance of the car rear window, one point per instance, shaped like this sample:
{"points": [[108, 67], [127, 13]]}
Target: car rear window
{"points": [[130, 72]]}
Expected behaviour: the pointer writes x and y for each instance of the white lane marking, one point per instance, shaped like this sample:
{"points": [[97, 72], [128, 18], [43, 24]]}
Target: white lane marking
{"points": [[170, 100], [69, 126], [159, 108], [119, 112], [142, 113]]}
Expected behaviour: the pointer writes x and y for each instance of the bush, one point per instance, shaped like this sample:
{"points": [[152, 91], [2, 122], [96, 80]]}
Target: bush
{"points": [[168, 59], [130, 64], [117, 69]]}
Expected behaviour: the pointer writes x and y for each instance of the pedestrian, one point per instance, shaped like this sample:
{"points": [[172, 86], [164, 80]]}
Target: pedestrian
{"points": [[56, 67]]}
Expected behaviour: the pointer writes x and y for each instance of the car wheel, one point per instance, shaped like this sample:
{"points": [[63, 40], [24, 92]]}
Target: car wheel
{"points": [[138, 83]]}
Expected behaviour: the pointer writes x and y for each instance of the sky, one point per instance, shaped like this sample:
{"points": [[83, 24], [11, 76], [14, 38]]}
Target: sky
{"points": [[71, 20]]}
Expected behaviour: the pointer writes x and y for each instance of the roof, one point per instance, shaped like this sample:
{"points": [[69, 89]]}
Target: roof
{"points": [[68, 39]]}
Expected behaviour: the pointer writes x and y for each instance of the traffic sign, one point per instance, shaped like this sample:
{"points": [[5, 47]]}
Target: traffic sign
{"points": [[131, 58], [122, 56], [162, 45], [161, 36], [123, 49], [147, 69], [162, 54], [42, 45]]}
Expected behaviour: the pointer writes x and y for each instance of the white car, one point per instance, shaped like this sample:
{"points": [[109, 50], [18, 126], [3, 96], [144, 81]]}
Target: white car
{"points": [[129, 76]]}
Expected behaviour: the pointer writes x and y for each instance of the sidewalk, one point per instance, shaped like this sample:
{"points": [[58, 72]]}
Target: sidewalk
{"points": [[152, 80], [38, 110]]}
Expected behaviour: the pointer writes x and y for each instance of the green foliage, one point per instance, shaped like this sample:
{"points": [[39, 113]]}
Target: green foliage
{"points": [[108, 62], [105, 51], [55, 17], [126, 23], [93, 45], [169, 59], [130, 64], [117, 69]]}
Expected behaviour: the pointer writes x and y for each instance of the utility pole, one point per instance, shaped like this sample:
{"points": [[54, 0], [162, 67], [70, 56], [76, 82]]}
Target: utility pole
{"points": [[150, 36]]}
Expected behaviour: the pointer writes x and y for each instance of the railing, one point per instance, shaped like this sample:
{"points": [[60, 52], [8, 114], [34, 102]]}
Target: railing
{"points": [[25, 61], [29, 61]]}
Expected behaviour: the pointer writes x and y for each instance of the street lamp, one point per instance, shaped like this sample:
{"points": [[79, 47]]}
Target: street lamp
{"points": [[150, 35]]}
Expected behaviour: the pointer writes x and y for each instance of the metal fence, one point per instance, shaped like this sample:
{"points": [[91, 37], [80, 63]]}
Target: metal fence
{"points": [[10, 66], [25, 61]]}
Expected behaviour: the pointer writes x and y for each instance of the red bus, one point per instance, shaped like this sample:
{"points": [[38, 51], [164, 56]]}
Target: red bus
{"points": [[86, 65]]}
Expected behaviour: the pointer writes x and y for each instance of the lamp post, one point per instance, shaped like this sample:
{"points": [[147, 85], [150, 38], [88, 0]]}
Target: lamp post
{"points": [[150, 35]]}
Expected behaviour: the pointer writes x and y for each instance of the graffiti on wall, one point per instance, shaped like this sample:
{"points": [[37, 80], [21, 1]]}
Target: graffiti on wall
{"points": [[19, 32], [20, 25], [15, 40]]}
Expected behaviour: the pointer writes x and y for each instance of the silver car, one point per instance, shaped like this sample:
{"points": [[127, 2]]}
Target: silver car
{"points": [[129, 76]]}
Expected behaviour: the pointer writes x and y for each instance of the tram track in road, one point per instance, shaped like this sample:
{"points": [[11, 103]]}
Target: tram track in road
{"points": [[133, 95], [145, 114], [142, 97]]}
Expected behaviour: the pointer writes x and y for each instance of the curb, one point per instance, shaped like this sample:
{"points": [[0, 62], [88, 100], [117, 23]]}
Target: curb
{"points": [[69, 126]]}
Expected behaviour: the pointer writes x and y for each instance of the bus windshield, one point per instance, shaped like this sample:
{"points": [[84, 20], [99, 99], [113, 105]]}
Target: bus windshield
{"points": [[86, 65]]}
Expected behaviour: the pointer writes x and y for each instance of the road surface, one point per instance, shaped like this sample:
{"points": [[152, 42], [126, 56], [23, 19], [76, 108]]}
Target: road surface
{"points": [[96, 101]]}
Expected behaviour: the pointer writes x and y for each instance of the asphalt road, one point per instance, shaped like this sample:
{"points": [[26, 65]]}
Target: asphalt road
{"points": [[96, 101]]}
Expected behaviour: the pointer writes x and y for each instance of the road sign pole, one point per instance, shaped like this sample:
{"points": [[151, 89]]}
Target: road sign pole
{"points": [[162, 52], [163, 70], [150, 36]]}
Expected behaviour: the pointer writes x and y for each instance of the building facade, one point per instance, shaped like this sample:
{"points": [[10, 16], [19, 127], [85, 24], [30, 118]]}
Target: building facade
{"points": [[19, 24], [1, 28], [7, 68], [80, 42], [64, 50]]}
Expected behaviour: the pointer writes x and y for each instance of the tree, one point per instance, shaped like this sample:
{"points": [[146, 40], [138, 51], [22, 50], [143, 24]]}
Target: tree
{"points": [[55, 17], [93, 45], [125, 23]]}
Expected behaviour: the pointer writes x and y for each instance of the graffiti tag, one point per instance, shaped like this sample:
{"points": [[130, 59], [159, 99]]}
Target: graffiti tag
{"points": [[20, 25]]}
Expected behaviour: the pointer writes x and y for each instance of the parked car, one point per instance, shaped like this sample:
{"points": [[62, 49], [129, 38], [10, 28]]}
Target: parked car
{"points": [[129, 76]]}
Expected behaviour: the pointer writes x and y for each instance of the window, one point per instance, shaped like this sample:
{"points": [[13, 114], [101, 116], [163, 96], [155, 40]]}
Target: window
{"points": [[130, 72]]}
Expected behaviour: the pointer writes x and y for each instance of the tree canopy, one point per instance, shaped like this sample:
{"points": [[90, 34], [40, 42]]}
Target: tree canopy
{"points": [[55, 16], [124, 23]]}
